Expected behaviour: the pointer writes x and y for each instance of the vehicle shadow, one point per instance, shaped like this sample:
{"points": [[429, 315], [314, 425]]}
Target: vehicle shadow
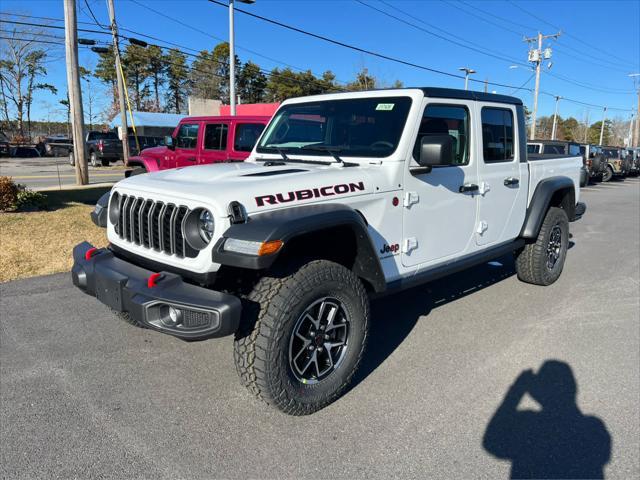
{"points": [[394, 317], [557, 441]]}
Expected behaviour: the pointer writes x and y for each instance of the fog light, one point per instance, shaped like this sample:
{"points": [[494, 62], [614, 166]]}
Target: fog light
{"points": [[172, 317]]}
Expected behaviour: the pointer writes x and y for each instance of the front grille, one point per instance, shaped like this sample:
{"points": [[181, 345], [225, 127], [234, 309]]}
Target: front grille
{"points": [[154, 225]]}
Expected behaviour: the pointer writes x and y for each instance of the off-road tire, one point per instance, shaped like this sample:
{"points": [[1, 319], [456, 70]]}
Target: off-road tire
{"points": [[93, 159], [608, 174], [270, 313], [531, 261], [138, 171], [72, 159]]}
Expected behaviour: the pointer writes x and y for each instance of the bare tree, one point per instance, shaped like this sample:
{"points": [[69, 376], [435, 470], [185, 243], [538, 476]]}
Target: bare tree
{"points": [[21, 64]]}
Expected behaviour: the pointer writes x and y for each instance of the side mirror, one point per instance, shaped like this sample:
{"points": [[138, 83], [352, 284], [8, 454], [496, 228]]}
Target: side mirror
{"points": [[168, 142], [436, 150]]}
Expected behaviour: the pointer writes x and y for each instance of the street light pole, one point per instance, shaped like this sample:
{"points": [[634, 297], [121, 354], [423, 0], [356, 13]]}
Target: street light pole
{"points": [[120, 83], [467, 71], [232, 57], [555, 119], [636, 142], [604, 117]]}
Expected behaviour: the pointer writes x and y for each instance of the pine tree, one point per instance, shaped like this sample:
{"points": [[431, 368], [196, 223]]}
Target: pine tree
{"points": [[177, 80]]}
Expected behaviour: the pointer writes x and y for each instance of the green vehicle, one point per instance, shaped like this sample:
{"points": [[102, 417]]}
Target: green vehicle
{"points": [[618, 164]]}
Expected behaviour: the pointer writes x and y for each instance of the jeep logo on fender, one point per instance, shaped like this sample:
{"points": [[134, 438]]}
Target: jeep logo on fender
{"points": [[306, 194], [390, 248]]}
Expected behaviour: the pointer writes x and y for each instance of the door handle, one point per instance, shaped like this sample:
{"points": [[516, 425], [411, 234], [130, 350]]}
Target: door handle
{"points": [[468, 187], [511, 182]]}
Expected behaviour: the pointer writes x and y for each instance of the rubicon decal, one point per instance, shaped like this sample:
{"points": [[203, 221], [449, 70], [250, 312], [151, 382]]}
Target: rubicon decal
{"points": [[328, 191]]}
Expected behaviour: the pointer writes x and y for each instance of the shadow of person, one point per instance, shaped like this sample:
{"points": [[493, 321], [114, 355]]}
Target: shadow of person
{"points": [[557, 441]]}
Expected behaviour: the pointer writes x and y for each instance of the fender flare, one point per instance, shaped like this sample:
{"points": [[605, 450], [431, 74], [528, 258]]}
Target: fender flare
{"points": [[289, 223], [149, 164], [541, 200]]}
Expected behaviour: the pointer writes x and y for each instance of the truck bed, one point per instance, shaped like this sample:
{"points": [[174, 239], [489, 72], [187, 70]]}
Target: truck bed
{"points": [[545, 166]]}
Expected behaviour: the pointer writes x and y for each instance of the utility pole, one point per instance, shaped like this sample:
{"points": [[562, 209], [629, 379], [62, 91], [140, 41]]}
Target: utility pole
{"points": [[467, 71], [537, 56], [120, 83], [555, 119], [232, 57], [486, 85], [604, 118], [586, 128], [630, 141], [75, 93], [636, 83]]}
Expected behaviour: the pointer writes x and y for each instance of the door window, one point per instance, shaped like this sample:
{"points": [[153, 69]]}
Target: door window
{"points": [[452, 120], [187, 136], [497, 135], [215, 136], [574, 149], [246, 136], [533, 148], [554, 150]]}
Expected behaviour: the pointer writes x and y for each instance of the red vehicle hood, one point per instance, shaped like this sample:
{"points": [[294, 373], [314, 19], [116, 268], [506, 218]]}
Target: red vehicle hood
{"points": [[154, 152]]}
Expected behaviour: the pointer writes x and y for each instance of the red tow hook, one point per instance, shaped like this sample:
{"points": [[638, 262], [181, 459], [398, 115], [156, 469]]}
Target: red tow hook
{"points": [[153, 279], [90, 253]]}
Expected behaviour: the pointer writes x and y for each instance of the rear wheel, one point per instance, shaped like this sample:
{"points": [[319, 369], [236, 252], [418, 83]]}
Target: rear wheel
{"points": [[608, 174], [72, 159], [541, 262], [303, 336], [93, 158]]}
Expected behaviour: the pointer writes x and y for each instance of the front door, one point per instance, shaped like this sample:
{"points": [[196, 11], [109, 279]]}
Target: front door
{"points": [[440, 205], [503, 177], [186, 144]]}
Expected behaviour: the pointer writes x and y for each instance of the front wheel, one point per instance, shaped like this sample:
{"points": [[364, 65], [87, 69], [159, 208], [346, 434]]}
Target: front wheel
{"points": [[608, 174], [541, 262], [303, 336]]}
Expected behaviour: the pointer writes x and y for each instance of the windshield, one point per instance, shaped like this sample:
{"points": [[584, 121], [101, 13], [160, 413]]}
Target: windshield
{"points": [[103, 136], [363, 127]]}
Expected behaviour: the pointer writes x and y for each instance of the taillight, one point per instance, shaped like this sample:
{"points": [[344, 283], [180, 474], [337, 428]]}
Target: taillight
{"points": [[100, 145]]}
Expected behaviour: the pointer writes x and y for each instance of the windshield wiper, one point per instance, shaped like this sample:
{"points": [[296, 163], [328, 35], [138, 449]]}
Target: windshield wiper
{"points": [[288, 159], [334, 152]]}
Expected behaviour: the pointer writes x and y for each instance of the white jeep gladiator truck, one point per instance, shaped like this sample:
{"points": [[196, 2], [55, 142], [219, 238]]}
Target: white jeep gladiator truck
{"points": [[344, 197]]}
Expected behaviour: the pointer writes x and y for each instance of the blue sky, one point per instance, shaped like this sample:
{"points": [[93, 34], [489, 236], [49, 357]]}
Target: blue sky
{"points": [[495, 27]]}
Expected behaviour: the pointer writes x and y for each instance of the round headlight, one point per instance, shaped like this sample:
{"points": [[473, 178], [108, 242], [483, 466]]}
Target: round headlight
{"points": [[114, 208], [198, 228], [205, 225]]}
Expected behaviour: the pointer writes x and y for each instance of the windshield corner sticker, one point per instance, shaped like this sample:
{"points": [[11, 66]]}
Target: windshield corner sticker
{"points": [[385, 106], [309, 193]]}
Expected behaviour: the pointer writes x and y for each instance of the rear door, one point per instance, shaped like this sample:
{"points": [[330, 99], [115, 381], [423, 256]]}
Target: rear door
{"points": [[215, 143], [503, 175], [186, 142], [245, 136]]}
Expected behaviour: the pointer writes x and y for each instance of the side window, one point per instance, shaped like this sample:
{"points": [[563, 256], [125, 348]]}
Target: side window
{"points": [[497, 135], [575, 149], [452, 120], [187, 135], [246, 136], [215, 136], [554, 150], [533, 148]]}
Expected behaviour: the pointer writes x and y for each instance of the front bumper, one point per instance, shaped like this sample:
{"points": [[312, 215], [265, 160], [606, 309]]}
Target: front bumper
{"points": [[197, 313]]}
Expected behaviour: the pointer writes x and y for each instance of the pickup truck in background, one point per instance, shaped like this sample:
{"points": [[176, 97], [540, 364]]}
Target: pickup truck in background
{"points": [[345, 197], [102, 148], [201, 140], [560, 147]]}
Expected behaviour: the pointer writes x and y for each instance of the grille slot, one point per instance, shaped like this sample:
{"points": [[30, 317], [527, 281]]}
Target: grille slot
{"points": [[154, 225]]}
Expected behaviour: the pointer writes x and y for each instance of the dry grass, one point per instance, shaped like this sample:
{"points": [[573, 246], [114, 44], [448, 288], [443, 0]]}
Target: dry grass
{"points": [[39, 243]]}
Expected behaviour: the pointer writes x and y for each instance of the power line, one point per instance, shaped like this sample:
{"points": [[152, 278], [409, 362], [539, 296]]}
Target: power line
{"points": [[491, 22], [588, 86], [522, 86], [94, 17], [519, 7], [484, 51]]}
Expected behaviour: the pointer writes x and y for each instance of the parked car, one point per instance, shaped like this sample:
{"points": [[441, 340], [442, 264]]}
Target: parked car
{"points": [[594, 160], [55, 146], [200, 140], [618, 164], [102, 148], [346, 196], [5, 145], [634, 161], [560, 147]]}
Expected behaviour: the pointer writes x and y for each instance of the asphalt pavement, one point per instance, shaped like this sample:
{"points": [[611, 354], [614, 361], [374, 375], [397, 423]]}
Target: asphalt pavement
{"points": [[42, 173], [84, 395]]}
